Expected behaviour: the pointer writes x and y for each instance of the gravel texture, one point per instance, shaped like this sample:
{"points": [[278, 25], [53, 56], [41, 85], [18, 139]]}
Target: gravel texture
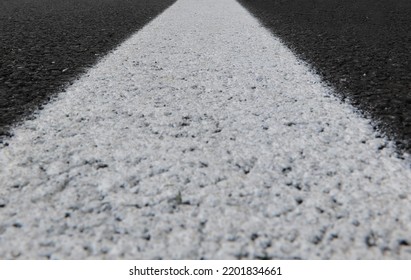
{"points": [[46, 44], [202, 137], [362, 47]]}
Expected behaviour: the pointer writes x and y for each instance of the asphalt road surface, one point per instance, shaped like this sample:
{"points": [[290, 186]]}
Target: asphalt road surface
{"points": [[202, 136], [361, 47], [46, 44]]}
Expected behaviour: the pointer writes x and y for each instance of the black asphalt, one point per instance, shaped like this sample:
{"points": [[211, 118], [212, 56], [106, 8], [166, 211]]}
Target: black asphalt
{"points": [[46, 44], [361, 47]]}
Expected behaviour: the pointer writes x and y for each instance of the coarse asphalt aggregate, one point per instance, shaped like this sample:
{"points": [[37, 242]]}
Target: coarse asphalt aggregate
{"points": [[361, 47], [46, 44], [202, 136]]}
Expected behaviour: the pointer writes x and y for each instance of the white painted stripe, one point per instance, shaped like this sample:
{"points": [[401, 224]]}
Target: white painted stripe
{"points": [[202, 136]]}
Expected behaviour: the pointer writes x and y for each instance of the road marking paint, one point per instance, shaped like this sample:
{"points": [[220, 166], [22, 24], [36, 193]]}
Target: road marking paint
{"points": [[202, 136]]}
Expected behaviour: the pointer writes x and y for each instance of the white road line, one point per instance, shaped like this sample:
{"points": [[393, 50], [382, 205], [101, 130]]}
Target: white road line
{"points": [[202, 136]]}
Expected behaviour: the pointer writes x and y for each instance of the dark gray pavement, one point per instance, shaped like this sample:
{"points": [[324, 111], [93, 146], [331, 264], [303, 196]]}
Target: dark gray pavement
{"points": [[361, 47], [45, 44], [202, 137]]}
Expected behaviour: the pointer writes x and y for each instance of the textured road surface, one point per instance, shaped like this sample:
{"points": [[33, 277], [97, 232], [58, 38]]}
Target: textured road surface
{"points": [[202, 136], [45, 44], [362, 47]]}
